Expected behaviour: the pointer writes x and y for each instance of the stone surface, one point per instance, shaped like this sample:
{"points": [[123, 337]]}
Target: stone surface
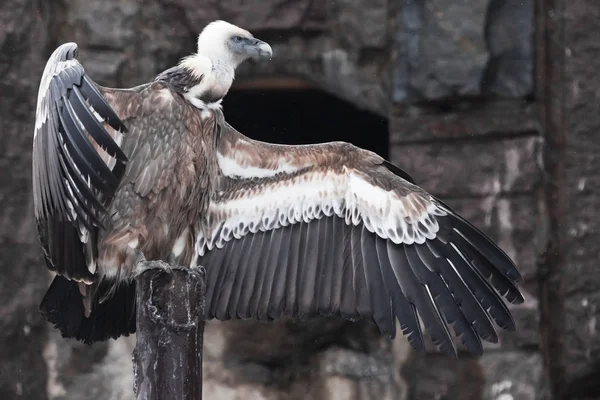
{"points": [[579, 273], [24, 27], [275, 15], [494, 166], [469, 48], [496, 375], [463, 121], [325, 359], [102, 371], [433, 376], [512, 376], [582, 350], [509, 38], [340, 46], [136, 47]]}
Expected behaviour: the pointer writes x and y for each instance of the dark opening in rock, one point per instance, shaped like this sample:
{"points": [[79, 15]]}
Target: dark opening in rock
{"points": [[302, 116]]}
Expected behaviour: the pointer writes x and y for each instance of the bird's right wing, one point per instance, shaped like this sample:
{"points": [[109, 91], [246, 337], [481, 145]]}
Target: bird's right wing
{"points": [[334, 230], [77, 164]]}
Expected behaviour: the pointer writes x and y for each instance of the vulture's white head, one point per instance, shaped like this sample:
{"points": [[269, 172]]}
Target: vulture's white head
{"points": [[224, 42], [221, 48]]}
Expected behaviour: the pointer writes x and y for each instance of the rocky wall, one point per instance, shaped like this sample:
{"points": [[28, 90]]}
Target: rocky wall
{"points": [[463, 124], [462, 83], [580, 275]]}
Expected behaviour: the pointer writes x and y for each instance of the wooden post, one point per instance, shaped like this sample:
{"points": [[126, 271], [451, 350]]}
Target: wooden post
{"points": [[167, 360]]}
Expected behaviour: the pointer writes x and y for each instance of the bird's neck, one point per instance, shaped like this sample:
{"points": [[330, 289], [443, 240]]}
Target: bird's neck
{"points": [[219, 56], [207, 79], [222, 70]]}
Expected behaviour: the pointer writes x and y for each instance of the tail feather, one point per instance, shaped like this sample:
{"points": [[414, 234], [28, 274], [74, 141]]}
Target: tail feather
{"points": [[114, 317]]}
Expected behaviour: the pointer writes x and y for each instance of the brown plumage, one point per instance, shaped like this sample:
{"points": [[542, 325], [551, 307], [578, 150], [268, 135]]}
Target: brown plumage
{"points": [[124, 173], [283, 231], [173, 173]]}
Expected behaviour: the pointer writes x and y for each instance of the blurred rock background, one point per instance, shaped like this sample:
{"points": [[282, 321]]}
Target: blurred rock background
{"points": [[491, 104]]}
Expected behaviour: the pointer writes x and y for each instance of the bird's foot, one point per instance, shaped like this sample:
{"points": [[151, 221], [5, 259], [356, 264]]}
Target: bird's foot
{"points": [[143, 265]]}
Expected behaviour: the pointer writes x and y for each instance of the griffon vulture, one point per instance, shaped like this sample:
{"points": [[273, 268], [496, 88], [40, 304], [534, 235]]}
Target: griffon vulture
{"points": [[283, 231]]}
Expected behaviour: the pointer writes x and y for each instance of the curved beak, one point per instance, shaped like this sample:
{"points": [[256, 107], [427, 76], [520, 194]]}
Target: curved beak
{"points": [[257, 49]]}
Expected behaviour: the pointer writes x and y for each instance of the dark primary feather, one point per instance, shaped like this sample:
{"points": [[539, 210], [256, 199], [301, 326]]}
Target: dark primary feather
{"points": [[69, 177], [324, 267], [398, 171], [63, 307], [377, 280], [93, 126]]}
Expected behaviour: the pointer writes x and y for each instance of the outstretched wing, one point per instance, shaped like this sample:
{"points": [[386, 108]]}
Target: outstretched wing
{"points": [[77, 164], [331, 229]]}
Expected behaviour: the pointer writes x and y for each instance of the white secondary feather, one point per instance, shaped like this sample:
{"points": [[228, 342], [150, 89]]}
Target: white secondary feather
{"points": [[179, 245], [231, 168], [313, 196]]}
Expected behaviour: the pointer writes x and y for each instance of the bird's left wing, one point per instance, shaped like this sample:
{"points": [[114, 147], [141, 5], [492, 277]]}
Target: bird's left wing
{"points": [[332, 229], [77, 165]]}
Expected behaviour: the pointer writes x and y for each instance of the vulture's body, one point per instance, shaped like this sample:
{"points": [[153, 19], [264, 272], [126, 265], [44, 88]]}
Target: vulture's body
{"points": [[283, 231]]}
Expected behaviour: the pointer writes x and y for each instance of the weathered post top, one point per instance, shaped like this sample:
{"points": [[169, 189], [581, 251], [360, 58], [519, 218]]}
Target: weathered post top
{"points": [[170, 327]]}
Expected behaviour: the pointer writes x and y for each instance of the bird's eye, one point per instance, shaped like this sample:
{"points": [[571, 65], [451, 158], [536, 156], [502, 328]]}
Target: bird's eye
{"points": [[237, 39]]}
